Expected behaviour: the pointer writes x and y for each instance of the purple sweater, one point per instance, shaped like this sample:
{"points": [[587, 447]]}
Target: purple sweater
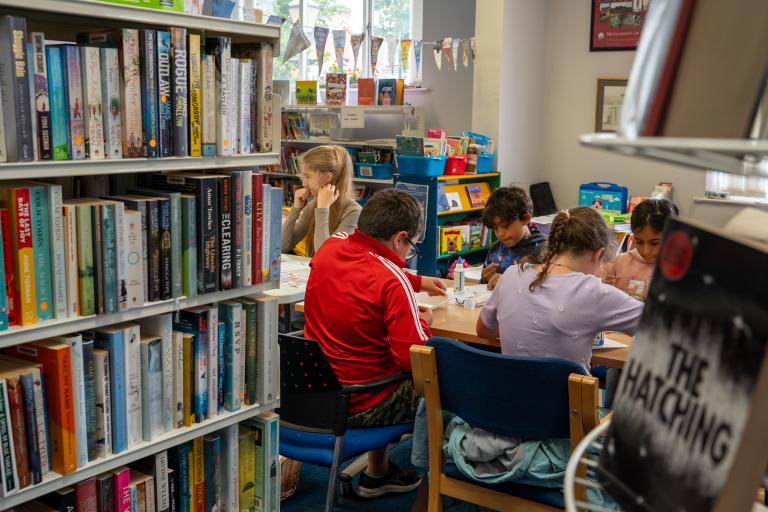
{"points": [[560, 318]]}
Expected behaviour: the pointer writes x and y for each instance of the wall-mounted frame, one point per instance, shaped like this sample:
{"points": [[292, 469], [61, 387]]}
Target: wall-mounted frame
{"points": [[616, 25], [610, 97]]}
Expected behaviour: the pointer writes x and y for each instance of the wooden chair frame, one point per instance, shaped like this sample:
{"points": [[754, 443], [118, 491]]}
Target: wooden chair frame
{"points": [[583, 403]]}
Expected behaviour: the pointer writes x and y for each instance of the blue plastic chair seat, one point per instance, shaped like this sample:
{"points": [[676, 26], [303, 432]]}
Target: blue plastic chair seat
{"points": [[543, 495], [314, 448]]}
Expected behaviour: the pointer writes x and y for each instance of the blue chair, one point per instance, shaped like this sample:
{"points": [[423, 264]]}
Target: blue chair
{"points": [[529, 398], [314, 410]]}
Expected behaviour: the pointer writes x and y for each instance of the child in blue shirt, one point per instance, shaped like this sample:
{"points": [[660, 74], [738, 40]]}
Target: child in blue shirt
{"points": [[508, 212]]}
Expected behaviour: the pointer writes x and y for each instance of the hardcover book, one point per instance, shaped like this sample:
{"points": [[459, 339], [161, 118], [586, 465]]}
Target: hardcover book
{"points": [[16, 106], [149, 91], [75, 344], [110, 99], [336, 89], [386, 90], [264, 110], [89, 376], [75, 105], [105, 492], [17, 201], [244, 106], [221, 49], [366, 91], [103, 403], [152, 386], [208, 103], [165, 97], [195, 93], [90, 60], [130, 99], [180, 90], [306, 92], [42, 101], [57, 239], [112, 341], [161, 327], [134, 251], [40, 216], [58, 103]]}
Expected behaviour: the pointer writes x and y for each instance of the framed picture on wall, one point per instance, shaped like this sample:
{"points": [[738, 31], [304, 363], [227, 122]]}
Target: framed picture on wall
{"points": [[610, 97], [616, 25]]}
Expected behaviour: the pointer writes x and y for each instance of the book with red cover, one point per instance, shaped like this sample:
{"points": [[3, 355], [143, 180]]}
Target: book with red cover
{"points": [[59, 400], [85, 493], [258, 219], [366, 91], [122, 487], [10, 286], [18, 430]]}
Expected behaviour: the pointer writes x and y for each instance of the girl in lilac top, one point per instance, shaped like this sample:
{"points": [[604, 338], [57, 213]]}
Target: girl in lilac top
{"points": [[553, 305]]}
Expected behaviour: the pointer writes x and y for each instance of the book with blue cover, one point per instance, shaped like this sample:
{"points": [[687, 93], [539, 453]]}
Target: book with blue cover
{"points": [[38, 199], [109, 256], [275, 231], [58, 103], [195, 321], [165, 101], [230, 313], [111, 340], [212, 457], [152, 384], [149, 85], [33, 428], [74, 95], [180, 91], [266, 222]]}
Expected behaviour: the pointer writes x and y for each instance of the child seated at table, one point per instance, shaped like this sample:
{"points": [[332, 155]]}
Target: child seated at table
{"points": [[508, 213], [553, 305], [632, 271]]}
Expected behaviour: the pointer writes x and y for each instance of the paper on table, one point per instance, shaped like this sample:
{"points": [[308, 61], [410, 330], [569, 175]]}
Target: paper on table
{"points": [[474, 273], [293, 264], [610, 343]]}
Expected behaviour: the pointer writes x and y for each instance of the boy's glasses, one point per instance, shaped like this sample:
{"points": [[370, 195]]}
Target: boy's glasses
{"points": [[413, 251]]}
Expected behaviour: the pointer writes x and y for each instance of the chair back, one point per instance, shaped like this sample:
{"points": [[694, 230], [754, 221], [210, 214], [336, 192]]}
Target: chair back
{"points": [[310, 393], [525, 397]]}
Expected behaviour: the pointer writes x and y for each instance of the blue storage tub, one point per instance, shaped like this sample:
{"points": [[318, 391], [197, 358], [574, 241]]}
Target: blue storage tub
{"points": [[484, 163], [604, 196], [421, 165], [374, 171]]}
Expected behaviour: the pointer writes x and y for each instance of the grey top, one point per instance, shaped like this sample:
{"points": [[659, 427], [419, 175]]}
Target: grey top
{"points": [[295, 226]]}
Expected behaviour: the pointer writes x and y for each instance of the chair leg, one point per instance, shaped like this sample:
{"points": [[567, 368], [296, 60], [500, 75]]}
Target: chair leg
{"points": [[331, 492]]}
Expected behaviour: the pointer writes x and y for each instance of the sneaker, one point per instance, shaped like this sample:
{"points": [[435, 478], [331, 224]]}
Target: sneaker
{"points": [[397, 480]]}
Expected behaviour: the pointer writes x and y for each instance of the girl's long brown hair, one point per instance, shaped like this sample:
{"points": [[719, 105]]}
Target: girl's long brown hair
{"points": [[335, 160], [577, 230]]}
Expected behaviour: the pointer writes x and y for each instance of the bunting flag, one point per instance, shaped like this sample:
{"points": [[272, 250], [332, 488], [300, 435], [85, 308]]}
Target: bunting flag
{"points": [[437, 49], [392, 53], [456, 45], [417, 56], [339, 44], [447, 43], [472, 47], [405, 51], [465, 54], [375, 46], [357, 41], [274, 19], [321, 37], [297, 42]]}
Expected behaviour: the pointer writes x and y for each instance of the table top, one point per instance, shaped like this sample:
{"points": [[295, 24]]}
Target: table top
{"points": [[294, 272]]}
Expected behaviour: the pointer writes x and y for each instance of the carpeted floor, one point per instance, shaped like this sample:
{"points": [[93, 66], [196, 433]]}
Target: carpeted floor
{"points": [[310, 496]]}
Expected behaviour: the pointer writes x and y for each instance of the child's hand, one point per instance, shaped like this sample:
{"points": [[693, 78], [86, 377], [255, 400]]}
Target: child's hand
{"points": [[433, 286], [489, 271], [326, 196], [426, 315], [300, 197], [493, 281], [611, 280]]}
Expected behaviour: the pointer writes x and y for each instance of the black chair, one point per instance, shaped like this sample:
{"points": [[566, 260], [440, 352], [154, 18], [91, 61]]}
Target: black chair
{"points": [[543, 200], [314, 410]]}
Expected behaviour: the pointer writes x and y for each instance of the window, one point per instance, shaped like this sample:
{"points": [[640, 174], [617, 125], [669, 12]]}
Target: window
{"points": [[384, 18]]}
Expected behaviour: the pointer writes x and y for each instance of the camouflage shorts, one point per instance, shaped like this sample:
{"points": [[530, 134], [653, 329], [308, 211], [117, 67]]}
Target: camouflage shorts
{"points": [[397, 408]]}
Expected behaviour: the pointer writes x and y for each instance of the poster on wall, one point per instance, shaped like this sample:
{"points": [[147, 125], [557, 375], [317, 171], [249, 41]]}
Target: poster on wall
{"points": [[616, 25]]}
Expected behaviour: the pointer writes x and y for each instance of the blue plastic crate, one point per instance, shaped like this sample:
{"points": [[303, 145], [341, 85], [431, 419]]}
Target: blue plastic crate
{"points": [[374, 171], [484, 163], [421, 165]]}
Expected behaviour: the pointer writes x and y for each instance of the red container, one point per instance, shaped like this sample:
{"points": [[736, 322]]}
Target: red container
{"points": [[455, 165]]}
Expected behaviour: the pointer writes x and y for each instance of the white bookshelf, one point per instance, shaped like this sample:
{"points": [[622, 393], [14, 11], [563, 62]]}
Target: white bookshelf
{"points": [[54, 481]]}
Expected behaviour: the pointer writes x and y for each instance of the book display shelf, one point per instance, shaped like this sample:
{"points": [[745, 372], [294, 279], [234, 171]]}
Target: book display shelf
{"points": [[61, 20]]}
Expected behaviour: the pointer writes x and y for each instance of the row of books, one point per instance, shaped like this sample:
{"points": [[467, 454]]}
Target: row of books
{"points": [[143, 239], [463, 236], [438, 142], [243, 10], [132, 94], [73, 399], [230, 469], [370, 91]]}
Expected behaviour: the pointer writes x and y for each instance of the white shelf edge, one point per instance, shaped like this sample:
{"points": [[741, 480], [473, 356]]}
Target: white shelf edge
{"points": [[380, 108], [54, 481], [52, 169], [341, 142], [23, 334], [135, 15], [372, 180]]}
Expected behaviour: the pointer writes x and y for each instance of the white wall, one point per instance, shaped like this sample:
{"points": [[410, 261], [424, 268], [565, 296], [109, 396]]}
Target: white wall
{"points": [[489, 20]]}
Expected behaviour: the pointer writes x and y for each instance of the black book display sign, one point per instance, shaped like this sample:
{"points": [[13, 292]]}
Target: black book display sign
{"points": [[690, 427]]}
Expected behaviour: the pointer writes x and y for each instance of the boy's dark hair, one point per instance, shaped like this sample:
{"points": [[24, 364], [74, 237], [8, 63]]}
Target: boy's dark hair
{"points": [[388, 212], [508, 204], [654, 213]]}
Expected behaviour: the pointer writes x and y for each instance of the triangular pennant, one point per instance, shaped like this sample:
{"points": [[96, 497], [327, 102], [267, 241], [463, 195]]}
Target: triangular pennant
{"points": [[437, 49], [417, 55], [274, 19], [447, 42], [357, 41], [455, 48], [375, 46], [405, 51], [472, 47], [392, 53], [339, 44], [321, 37], [297, 42], [465, 54]]}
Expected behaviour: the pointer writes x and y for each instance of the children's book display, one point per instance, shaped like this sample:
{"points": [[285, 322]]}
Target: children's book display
{"points": [[467, 152]]}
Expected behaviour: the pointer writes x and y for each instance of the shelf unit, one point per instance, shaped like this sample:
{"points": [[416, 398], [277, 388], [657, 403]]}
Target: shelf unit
{"points": [[317, 141], [459, 212], [60, 20], [463, 253]]}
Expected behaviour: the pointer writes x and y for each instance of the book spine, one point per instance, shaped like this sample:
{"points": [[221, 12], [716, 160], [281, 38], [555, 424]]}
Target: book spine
{"points": [[152, 388], [98, 257], [24, 261], [247, 470], [254, 93], [275, 231], [114, 344], [4, 304], [42, 252], [122, 486], [103, 403], [75, 107], [105, 493], [17, 110], [130, 99], [225, 233], [162, 493], [75, 343], [213, 361], [9, 478], [85, 260], [89, 379], [241, 355], [224, 91], [3, 149], [230, 463], [109, 258], [30, 56], [58, 103], [132, 344], [134, 498], [85, 493], [165, 250], [121, 257], [221, 367], [27, 381], [178, 379], [266, 223], [41, 420], [110, 100], [208, 104], [244, 110], [189, 246], [42, 102], [164, 89], [199, 474], [8, 258], [173, 491], [57, 238], [249, 309], [180, 90], [92, 101], [264, 99], [149, 90], [236, 366], [227, 314], [212, 455], [174, 200], [189, 413], [267, 356], [247, 227], [195, 122], [153, 250], [233, 101], [134, 259], [208, 274], [183, 475], [201, 369], [18, 431], [236, 216], [258, 227]]}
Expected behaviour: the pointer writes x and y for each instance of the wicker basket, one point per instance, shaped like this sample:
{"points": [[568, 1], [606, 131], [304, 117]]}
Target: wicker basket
{"points": [[289, 477]]}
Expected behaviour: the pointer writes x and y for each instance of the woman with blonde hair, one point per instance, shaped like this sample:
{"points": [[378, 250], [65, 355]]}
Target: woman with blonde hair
{"points": [[324, 205]]}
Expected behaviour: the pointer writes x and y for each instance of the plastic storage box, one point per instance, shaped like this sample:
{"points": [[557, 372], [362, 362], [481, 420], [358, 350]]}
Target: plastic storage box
{"points": [[608, 197], [456, 165], [374, 171], [484, 163], [421, 165]]}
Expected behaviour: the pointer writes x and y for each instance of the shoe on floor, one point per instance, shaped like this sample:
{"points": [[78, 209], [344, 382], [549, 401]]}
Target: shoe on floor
{"points": [[396, 480]]}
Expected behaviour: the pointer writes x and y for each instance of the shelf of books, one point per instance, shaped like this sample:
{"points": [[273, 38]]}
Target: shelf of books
{"points": [[465, 177]]}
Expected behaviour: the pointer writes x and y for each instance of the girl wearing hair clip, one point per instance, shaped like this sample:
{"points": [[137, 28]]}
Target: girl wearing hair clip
{"points": [[553, 305]]}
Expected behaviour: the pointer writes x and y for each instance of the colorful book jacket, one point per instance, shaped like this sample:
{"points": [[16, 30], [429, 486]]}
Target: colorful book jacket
{"points": [[38, 197], [110, 99], [165, 125], [90, 61], [244, 106], [212, 456], [195, 93], [149, 91], [236, 207], [17, 201], [266, 256], [8, 269], [75, 344], [189, 245], [195, 321], [85, 259], [275, 231], [75, 106], [247, 227], [250, 350], [4, 305], [17, 427], [366, 91], [258, 220], [9, 478], [221, 49], [57, 237], [336, 89], [247, 469], [89, 378], [199, 464], [112, 341], [122, 487], [229, 313], [214, 365], [109, 256], [225, 232], [16, 105], [208, 103], [221, 367], [264, 109], [180, 90], [130, 99], [42, 101], [58, 103]]}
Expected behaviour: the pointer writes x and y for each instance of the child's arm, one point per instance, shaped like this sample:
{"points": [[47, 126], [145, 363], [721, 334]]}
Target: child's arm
{"points": [[294, 230], [609, 273], [485, 332]]}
